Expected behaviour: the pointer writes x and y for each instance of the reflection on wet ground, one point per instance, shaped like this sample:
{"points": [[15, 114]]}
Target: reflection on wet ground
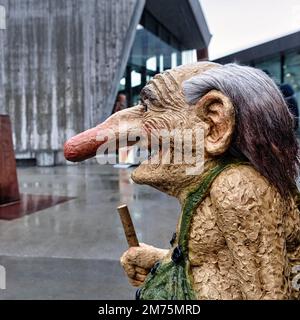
{"points": [[28, 204], [84, 229]]}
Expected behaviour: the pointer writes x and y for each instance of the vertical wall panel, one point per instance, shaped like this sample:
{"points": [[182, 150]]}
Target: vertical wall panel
{"points": [[2, 32], [62, 63]]}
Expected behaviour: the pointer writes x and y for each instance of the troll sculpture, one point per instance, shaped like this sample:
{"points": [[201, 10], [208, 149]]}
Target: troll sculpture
{"points": [[238, 236]]}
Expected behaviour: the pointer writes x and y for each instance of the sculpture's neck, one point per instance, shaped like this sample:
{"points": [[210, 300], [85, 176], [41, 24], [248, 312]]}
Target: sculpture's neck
{"points": [[194, 182]]}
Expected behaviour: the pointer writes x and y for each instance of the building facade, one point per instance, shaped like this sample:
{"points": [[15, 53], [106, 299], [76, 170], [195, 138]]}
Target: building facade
{"points": [[279, 57], [65, 61]]}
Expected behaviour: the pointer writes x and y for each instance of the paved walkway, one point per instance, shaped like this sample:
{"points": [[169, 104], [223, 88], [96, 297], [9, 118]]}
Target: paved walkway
{"points": [[72, 250]]}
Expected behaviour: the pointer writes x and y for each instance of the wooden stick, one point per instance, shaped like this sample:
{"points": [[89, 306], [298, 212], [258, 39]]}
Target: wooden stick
{"points": [[128, 226]]}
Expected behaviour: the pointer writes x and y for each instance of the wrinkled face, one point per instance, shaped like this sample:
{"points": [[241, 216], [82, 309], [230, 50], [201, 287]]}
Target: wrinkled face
{"points": [[166, 111], [162, 113]]}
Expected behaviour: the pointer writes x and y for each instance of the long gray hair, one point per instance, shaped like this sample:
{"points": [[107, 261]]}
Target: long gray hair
{"points": [[264, 126]]}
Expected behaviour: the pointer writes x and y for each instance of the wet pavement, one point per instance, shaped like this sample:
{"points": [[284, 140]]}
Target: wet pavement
{"points": [[71, 250]]}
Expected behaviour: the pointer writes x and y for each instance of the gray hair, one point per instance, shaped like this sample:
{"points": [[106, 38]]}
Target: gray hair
{"points": [[264, 126], [240, 83]]}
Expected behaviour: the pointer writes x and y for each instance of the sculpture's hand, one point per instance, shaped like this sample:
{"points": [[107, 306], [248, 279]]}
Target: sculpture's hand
{"points": [[137, 262]]}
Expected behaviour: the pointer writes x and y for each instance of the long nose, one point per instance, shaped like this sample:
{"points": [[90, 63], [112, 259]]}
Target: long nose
{"points": [[123, 124]]}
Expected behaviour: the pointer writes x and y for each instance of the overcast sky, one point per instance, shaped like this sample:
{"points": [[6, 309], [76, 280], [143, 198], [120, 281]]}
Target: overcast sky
{"points": [[240, 24]]}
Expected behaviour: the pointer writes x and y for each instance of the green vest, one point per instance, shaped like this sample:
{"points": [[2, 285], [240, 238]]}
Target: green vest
{"points": [[172, 280]]}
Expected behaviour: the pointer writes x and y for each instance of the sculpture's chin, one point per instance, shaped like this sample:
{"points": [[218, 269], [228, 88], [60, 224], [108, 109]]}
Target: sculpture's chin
{"points": [[147, 174], [140, 175], [135, 176]]}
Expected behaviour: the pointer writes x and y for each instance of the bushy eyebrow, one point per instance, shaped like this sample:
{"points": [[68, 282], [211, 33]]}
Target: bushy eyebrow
{"points": [[148, 93]]}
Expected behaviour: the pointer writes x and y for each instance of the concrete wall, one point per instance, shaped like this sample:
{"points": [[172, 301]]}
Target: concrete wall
{"points": [[63, 61], [2, 32]]}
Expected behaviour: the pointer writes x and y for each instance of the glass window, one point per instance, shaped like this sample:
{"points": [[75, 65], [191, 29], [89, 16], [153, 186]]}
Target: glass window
{"points": [[292, 72], [136, 78], [173, 60], [161, 63], [189, 56], [272, 66], [151, 64], [122, 84], [154, 50]]}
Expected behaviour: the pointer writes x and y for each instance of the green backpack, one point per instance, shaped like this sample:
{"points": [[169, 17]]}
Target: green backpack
{"points": [[173, 280]]}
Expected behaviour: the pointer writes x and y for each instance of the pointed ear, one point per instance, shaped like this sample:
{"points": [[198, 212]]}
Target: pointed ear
{"points": [[217, 111]]}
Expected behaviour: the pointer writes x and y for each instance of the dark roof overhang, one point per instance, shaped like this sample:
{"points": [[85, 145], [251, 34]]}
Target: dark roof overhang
{"points": [[263, 50], [184, 19]]}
